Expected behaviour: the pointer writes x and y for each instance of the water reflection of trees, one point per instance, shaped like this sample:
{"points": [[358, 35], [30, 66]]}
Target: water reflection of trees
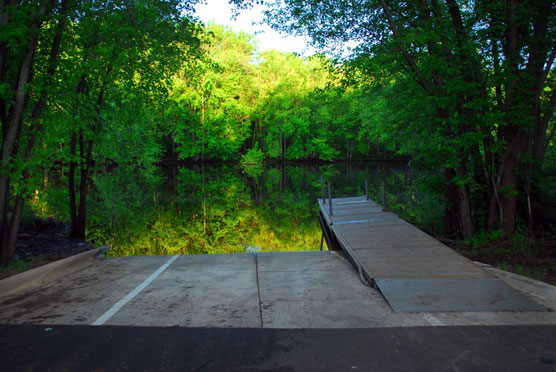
{"points": [[228, 209]]}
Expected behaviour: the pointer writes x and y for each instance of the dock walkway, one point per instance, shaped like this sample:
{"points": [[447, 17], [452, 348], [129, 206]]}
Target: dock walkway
{"points": [[413, 271]]}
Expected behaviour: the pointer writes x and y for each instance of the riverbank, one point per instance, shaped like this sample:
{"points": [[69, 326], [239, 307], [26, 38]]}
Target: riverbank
{"points": [[40, 242], [533, 258], [522, 255]]}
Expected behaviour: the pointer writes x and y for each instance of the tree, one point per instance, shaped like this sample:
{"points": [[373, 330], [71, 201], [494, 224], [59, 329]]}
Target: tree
{"points": [[213, 98], [107, 47], [482, 68], [284, 120], [21, 25], [121, 50]]}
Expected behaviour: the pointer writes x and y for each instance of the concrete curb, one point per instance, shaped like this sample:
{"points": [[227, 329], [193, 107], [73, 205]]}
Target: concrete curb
{"points": [[542, 292], [47, 273], [510, 275]]}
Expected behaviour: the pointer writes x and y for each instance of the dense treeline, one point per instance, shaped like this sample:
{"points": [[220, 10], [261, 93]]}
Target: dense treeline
{"points": [[466, 88], [82, 82], [469, 88], [276, 104], [88, 85]]}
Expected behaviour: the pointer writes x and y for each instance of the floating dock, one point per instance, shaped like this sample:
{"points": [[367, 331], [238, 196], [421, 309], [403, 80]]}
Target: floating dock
{"points": [[413, 271]]}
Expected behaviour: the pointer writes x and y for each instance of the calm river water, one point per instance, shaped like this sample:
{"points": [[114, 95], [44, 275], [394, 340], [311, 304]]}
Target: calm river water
{"points": [[232, 209]]}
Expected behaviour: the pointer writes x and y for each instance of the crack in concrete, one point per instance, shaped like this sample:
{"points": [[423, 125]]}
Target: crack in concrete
{"points": [[258, 288]]}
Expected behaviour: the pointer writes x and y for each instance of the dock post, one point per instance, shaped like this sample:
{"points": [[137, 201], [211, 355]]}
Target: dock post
{"points": [[322, 188], [366, 190], [329, 199], [383, 198]]}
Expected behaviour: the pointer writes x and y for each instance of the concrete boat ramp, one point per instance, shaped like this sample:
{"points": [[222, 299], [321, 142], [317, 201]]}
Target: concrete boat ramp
{"points": [[286, 311], [306, 311], [264, 290]]}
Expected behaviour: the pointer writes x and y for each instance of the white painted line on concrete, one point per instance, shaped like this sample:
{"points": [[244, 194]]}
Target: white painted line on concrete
{"points": [[118, 305], [432, 319]]}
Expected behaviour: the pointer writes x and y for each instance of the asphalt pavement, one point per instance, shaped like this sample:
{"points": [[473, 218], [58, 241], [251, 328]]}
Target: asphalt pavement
{"points": [[124, 348]]}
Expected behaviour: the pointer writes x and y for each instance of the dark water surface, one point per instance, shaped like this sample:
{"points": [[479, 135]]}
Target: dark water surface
{"points": [[232, 209]]}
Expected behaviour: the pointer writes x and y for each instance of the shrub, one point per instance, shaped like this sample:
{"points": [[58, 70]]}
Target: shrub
{"points": [[253, 156]]}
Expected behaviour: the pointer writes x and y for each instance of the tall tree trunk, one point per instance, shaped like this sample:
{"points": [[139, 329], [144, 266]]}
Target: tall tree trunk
{"points": [[74, 225], [507, 169], [79, 214], [464, 205], [11, 129], [13, 226], [83, 186], [71, 187], [541, 59], [11, 232], [493, 212], [452, 204], [10, 138], [507, 184], [508, 199]]}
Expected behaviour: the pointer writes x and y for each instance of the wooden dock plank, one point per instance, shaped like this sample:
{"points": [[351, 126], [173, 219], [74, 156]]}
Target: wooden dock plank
{"points": [[419, 267], [340, 217], [393, 252], [390, 247], [408, 255]]}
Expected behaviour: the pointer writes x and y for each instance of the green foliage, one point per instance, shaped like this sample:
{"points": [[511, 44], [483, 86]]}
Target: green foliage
{"points": [[211, 98], [253, 156], [140, 82], [522, 270], [483, 238], [224, 210], [288, 107], [252, 170], [15, 265], [218, 210], [211, 212], [19, 265], [443, 87], [522, 241]]}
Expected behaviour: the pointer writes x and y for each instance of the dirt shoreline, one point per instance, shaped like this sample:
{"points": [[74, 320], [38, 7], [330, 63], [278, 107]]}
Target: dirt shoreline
{"points": [[40, 243], [537, 262]]}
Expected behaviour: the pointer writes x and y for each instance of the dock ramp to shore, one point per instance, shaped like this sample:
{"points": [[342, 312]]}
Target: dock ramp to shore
{"points": [[413, 271]]}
